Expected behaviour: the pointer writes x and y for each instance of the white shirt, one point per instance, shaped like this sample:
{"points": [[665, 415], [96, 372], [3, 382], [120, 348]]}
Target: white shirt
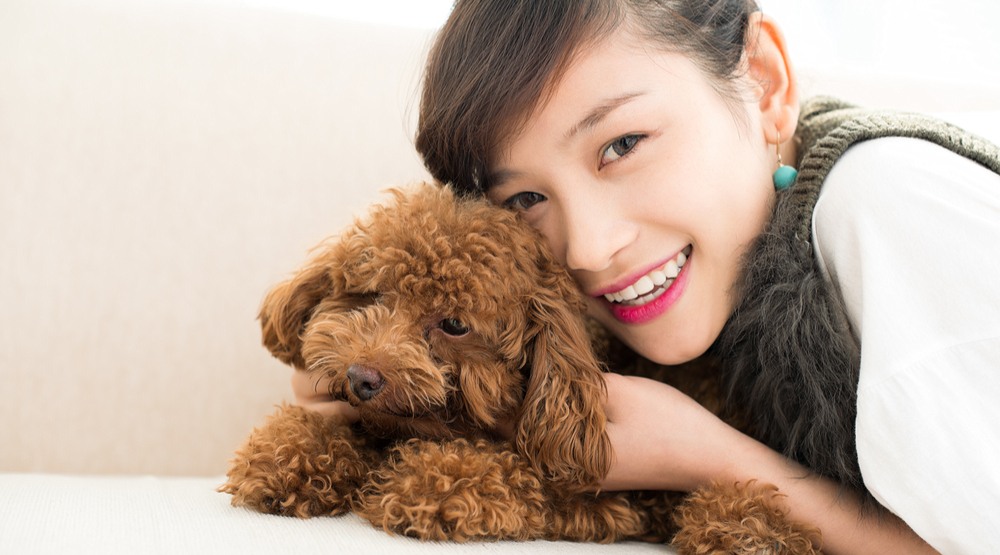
{"points": [[909, 233]]}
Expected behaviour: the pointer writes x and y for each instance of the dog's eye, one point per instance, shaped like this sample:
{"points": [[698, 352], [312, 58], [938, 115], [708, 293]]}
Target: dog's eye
{"points": [[453, 327]]}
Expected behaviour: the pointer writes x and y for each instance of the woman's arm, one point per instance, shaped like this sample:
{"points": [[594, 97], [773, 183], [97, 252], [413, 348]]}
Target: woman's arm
{"points": [[664, 440]]}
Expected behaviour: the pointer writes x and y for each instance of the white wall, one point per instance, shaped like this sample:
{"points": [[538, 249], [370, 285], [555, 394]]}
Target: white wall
{"points": [[916, 54], [911, 54]]}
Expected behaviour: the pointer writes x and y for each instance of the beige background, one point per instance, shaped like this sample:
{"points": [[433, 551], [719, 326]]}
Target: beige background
{"points": [[162, 163]]}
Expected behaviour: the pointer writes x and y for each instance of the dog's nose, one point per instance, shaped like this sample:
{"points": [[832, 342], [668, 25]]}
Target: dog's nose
{"points": [[365, 382]]}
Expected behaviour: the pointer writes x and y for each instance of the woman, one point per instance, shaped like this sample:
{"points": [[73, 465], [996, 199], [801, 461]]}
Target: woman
{"points": [[648, 142]]}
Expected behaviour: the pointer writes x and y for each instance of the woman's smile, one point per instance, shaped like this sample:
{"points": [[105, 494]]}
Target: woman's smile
{"points": [[651, 294]]}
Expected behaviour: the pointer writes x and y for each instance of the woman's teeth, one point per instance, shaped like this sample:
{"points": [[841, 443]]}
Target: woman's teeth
{"points": [[651, 285]]}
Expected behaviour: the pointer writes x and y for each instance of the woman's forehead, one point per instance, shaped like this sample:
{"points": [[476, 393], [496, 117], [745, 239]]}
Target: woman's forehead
{"points": [[603, 78]]}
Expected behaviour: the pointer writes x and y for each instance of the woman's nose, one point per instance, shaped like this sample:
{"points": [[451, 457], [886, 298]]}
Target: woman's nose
{"points": [[595, 232]]}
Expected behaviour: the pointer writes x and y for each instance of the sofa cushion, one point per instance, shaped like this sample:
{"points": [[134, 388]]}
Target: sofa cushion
{"points": [[55, 514]]}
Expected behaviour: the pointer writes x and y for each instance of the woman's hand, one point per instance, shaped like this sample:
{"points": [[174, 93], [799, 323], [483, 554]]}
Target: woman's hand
{"points": [[313, 394], [662, 439]]}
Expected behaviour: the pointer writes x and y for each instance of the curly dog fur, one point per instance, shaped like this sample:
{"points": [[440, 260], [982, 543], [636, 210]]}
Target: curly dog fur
{"points": [[441, 319]]}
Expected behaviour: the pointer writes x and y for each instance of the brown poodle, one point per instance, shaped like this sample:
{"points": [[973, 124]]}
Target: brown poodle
{"points": [[442, 320]]}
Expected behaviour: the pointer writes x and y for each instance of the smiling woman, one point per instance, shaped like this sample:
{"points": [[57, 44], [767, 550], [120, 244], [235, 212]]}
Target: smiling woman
{"points": [[637, 135]]}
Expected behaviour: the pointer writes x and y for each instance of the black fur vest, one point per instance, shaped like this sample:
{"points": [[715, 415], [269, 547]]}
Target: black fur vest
{"points": [[791, 358]]}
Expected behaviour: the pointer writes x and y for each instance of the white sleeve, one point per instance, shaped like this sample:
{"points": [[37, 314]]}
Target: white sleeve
{"points": [[909, 233]]}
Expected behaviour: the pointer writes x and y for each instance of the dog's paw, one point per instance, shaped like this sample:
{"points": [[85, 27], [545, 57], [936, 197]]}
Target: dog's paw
{"points": [[456, 491], [606, 518], [744, 519], [299, 464]]}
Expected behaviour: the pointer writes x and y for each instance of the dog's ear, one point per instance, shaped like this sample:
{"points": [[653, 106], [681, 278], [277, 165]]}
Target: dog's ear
{"points": [[562, 424], [288, 307]]}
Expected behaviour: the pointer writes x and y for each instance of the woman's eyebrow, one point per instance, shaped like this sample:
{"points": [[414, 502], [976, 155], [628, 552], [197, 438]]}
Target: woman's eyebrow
{"points": [[599, 112], [499, 177]]}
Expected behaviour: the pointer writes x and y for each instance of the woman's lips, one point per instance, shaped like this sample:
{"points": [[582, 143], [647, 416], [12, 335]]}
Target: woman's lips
{"points": [[637, 303]]}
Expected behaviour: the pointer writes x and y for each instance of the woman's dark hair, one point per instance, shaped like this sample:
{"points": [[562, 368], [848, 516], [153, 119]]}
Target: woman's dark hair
{"points": [[494, 60]]}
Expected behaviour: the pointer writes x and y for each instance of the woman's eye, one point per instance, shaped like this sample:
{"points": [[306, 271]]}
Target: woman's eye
{"points": [[523, 201], [619, 148], [453, 327]]}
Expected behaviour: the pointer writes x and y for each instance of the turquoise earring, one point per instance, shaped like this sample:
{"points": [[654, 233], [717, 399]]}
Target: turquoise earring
{"points": [[784, 176]]}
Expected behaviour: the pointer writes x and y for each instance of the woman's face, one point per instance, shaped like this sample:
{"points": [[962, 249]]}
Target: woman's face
{"points": [[649, 186]]}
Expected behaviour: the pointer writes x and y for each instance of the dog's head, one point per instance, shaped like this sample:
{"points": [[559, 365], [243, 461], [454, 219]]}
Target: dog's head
{"points": [[438, 316]]}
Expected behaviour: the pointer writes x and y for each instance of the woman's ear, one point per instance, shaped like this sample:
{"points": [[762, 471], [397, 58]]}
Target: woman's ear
{"points": [[287, 309], [774, 78]]}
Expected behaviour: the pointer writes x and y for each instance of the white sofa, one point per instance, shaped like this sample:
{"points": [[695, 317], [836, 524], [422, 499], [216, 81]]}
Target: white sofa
{"points": [[162, 164]]}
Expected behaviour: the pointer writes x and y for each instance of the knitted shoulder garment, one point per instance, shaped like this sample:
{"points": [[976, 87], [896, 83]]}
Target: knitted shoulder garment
{"points": [[791, 358]]}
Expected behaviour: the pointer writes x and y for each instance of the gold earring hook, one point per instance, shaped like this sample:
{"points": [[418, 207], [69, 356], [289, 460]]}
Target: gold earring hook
{"points": [[777, 149]]}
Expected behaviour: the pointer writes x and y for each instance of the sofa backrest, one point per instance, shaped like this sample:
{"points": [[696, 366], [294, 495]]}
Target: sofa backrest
{"points": [[162, 164]]}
